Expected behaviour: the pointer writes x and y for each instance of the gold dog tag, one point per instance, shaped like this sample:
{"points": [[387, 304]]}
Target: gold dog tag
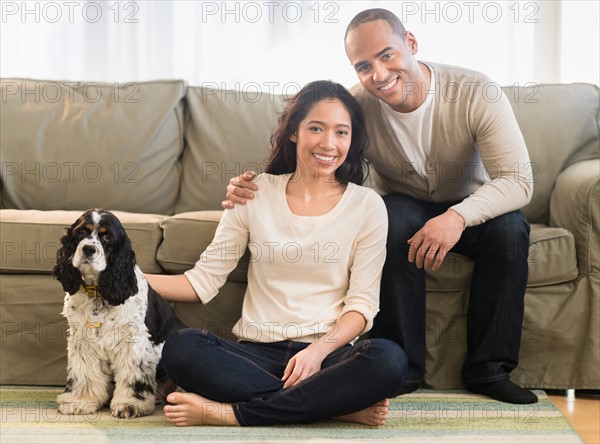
{"points": [[96, 320]]}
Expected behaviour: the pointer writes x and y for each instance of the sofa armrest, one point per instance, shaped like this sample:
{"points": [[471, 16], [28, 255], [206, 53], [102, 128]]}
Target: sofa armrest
{"points": [[575, 205]]}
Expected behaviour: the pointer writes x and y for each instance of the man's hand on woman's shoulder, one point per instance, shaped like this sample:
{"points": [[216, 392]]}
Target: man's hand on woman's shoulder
{"points": [[239, 189]]}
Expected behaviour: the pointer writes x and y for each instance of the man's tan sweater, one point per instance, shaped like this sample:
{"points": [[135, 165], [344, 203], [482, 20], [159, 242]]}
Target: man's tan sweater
{"points": [[478, 157]]}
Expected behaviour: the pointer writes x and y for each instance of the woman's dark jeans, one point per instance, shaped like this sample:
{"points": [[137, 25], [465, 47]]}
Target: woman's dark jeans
{"points": [[248, 375], [499, 248]]}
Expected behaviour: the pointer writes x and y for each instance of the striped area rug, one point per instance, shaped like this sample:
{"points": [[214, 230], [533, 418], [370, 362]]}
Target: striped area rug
{"points": [[29, 415]]}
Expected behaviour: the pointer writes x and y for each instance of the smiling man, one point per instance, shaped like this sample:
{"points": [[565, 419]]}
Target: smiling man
{"points": [[450, 161]]}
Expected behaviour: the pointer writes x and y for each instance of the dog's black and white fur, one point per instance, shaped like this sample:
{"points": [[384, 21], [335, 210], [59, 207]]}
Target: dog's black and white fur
{"points": [[117, 322]]}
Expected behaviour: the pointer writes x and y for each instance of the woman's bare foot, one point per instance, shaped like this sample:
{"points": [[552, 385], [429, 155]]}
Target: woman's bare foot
{"points": [[189, 409], [376, 415]]}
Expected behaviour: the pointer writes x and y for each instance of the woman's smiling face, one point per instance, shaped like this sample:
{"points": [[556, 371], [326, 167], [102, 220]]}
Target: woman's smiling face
{"points": [[323, 139]]}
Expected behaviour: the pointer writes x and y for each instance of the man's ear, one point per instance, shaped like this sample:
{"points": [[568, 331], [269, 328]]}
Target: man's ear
{"points": [[411, 42], [294, 138]]}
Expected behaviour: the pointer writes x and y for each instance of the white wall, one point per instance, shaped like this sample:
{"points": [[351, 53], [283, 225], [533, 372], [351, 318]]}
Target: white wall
{"points": [[274, 45]]}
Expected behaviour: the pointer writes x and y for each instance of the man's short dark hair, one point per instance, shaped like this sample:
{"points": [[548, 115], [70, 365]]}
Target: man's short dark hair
{"points": [[370, 15]]}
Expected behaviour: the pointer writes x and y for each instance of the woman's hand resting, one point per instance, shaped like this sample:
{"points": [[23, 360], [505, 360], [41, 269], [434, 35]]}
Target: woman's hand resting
{"points": [[304, 364]]}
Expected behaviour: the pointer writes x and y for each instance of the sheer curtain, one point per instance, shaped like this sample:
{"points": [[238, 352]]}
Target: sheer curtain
{"points": [[280, 45]]}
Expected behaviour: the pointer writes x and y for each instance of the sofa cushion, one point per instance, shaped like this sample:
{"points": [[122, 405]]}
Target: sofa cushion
{"points": [[552, 257], [552, 260], [77, 145], [560, 127], [228, 133], [186, 236], [31, 238]]}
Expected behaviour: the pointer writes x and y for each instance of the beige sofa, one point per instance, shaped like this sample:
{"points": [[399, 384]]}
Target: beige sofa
{"points": [[160, 153]]}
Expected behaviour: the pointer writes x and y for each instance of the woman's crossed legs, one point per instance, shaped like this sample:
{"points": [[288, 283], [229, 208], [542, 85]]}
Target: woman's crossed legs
{"points": [[231, 383]]}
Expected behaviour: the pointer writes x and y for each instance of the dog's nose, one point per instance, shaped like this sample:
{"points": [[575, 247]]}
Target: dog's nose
{"points": [[89, 250]]}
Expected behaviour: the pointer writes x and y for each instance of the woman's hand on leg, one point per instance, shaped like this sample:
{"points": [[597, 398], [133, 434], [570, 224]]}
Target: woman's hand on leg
{"points": [[303, 365]]}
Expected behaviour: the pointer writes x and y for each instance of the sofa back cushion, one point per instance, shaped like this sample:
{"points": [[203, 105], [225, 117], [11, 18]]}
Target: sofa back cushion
{"points": [[560, 124], [227, 134], [76, 145]]}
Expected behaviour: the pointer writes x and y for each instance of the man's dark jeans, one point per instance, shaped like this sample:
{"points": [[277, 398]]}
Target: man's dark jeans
{"points": [[499, 248]]}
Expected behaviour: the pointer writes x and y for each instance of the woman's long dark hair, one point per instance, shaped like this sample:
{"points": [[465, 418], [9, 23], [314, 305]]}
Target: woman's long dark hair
{"points": [[282, 158]]}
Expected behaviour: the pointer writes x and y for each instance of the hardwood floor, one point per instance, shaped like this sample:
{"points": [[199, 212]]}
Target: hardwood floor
{"points": [[583, 413]]}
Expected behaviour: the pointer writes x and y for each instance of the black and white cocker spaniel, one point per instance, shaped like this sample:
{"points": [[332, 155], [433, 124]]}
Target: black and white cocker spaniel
{"points": [[117, 322]]}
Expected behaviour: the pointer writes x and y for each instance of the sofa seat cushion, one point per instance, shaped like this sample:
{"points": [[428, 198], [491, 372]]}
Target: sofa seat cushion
{"points": [[31, 238], [552, 256], [186, 236], [552, 260]]}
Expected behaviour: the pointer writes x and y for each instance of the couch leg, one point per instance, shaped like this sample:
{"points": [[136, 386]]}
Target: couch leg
{"points": [[588, 393]]}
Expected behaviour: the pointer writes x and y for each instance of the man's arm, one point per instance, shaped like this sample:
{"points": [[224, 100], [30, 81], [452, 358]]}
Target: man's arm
{"points": [[505, 158], [239, 189], [504, 155]]}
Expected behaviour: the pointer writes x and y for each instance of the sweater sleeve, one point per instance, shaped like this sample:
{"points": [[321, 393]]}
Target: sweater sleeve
{"points": [[504, 156], [222, 255], [367, 263]]}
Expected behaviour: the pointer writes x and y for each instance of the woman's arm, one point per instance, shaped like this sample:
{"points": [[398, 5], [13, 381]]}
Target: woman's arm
{"points": [[348, 327], [367, 263], [203, 281], [308, 361], [173, 288]]}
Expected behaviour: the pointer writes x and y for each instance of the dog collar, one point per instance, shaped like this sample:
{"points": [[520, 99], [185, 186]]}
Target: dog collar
{"points": [[90, 290]]}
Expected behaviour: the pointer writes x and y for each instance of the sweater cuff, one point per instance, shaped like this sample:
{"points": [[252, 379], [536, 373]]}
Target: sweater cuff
{"points": [[364, 309], [196, 283], [470, 213]]}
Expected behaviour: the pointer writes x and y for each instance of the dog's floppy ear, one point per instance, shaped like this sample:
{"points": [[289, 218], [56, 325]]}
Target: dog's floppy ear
{"points": [[64, 271], [118, 281]]}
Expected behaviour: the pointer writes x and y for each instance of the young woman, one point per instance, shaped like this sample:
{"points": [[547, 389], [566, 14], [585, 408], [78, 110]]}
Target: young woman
{"points": [[317, 242]]}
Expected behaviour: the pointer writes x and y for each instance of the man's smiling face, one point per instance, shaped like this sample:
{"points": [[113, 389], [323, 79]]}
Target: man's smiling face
{"points": [[385, 63]]}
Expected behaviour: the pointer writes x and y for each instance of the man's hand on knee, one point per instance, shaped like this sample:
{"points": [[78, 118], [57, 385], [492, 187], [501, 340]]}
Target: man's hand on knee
{"points": [[239, 189], [429, 245]]}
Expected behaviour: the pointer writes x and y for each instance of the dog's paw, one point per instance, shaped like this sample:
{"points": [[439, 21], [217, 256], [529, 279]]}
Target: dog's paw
{"points": [[77, 407], [127, 410]]}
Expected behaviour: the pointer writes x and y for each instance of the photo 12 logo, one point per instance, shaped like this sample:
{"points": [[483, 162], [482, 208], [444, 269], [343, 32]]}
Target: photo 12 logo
{"points": [[270, 11], [69, 172], [54, 91], [69, 12], [468, 12], [249, 92]]}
